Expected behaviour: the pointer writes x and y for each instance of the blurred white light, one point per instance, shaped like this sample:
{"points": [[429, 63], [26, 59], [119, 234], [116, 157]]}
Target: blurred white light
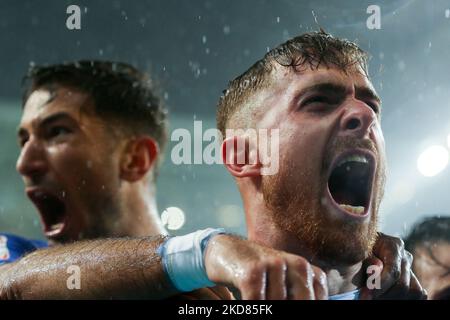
{"points": [[230, 216], [432, 161], [173, 218]]}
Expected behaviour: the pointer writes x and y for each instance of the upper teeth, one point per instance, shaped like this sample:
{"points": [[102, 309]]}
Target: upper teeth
{"points": [[353, 158]]}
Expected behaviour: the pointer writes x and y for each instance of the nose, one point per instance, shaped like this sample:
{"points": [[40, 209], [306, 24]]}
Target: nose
{"points": [[32, 162], [357, 120]]}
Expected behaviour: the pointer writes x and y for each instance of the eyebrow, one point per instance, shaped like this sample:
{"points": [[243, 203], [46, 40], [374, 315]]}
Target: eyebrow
{"points": [[360, 92], [46, 121]]}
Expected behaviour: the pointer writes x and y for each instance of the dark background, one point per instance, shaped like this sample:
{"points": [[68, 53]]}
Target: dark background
{"points": [[193, 48]]}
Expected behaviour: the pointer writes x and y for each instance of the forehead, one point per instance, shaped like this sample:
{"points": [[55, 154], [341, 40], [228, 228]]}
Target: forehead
{"points": [[44, 102], [353, 77]]}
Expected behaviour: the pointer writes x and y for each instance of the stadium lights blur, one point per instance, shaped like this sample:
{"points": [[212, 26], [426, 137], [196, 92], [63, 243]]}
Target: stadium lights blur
{"points": [[173, 218], [432, 161]]}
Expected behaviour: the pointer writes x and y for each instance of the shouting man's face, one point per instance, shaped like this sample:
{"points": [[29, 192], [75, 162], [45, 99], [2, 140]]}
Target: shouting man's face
{"points": [[332, 160], [69, 165]]}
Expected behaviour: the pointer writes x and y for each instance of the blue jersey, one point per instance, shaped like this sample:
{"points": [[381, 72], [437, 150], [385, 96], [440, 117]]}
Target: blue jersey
{"points": [[14, 247]]}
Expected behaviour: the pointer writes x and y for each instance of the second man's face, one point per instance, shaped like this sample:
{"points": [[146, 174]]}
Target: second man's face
{"points": [[68, 164]]}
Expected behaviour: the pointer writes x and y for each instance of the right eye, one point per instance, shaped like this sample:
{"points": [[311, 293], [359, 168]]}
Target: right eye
{"points": [[57, 131]]}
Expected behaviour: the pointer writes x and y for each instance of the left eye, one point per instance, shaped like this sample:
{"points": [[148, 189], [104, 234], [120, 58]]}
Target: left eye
{"points": [[374, 107]]}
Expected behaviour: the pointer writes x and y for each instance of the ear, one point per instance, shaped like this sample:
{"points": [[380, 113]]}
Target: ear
{"points": [[138, 158], [240, 157]]}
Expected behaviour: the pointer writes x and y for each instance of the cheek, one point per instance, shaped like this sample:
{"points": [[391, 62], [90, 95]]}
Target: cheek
{"points": [[379, 137], [80, 167]]}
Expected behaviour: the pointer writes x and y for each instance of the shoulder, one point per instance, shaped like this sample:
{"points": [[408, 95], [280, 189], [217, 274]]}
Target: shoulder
{"points": [[13, 247]]}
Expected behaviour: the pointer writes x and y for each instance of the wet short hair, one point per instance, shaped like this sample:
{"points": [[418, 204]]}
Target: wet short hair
{"points": [[313, 49], [120, 93], [427, 232]]}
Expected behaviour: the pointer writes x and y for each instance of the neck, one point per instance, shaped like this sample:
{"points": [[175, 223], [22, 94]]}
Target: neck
{"points": [[140, 216], [263, 230]]}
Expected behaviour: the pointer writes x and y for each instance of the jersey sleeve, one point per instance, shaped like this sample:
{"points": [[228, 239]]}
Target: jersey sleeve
{"points": [[13, 247]]}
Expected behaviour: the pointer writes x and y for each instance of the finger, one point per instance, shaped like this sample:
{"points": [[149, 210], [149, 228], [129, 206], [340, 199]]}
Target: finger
{"points": [[300, 280], [416, 292], [253, 284], [405, 276], [320, 284], [390, 251], [400, 289], [276, 280]]}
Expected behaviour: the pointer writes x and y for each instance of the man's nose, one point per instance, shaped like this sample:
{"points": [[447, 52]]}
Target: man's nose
{"points": [[32, 162], [357, 120]]}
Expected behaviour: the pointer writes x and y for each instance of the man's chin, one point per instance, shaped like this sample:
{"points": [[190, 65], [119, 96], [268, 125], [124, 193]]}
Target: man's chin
{"points": [[345, 246]]}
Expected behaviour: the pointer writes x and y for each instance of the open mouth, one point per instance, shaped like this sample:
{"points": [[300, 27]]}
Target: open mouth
{"points": [[350, 182], [52, 210]]}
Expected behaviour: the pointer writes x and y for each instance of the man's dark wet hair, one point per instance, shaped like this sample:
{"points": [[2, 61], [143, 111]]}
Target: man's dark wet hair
{"points": [[120, 93], [427, 232], [313, 49]]}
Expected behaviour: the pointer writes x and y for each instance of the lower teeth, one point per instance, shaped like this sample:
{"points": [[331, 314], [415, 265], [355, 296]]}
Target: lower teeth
{"points": [[56, 226], [352, 209]]}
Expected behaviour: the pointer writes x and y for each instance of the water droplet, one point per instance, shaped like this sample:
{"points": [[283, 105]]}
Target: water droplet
{"points": [[226, 29], [204, 39]]}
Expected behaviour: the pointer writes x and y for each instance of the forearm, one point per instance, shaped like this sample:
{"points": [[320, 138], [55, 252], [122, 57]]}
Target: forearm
{"points": [[109, 268]]}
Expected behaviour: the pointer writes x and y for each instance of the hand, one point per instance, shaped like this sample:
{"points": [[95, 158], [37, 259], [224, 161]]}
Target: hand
{"points": [[261, 273], [397, 279]]}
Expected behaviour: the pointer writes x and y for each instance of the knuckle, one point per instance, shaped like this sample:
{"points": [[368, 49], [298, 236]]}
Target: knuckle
{"points": [[396, 272], [276, 262], [321, 277], [398, 242], [408, 256], [300, 264]]}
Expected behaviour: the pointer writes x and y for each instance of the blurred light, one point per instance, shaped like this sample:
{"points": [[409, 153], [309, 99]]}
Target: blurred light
{"points": [[173, 218], [448, 140], [432, 161], [230, 216]]}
